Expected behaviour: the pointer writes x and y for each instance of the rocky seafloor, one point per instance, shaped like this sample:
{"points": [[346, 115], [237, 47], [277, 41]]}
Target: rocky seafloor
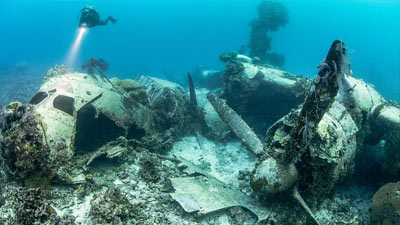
{"points": [[136, 191]]}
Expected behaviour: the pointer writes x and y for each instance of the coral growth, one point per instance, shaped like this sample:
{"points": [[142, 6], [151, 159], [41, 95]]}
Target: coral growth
{"points": [[37, 180], [385, 208], [149, 171], [23, 147], [271, 16], [92, 63], [24, 150], [32, 206], [114, 208], [171, 107], [14, 112], [57, 70], [159, 143]]}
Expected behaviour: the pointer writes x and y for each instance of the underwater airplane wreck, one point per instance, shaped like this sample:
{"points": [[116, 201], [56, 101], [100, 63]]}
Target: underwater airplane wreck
{"points": [[93, 150]]}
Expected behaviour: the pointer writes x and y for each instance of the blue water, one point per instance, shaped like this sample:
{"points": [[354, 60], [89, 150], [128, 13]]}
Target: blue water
{"points": [[171, 37]]}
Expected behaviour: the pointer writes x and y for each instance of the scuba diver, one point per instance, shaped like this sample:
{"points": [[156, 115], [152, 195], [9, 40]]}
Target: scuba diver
{"points": [[91, 18]]}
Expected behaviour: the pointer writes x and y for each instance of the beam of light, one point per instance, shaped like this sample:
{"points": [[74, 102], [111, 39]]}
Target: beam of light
{"points": [[72, 54]]}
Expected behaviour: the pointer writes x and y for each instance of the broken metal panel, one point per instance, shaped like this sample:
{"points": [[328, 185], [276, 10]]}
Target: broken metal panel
{"points": [[157, 89], [187, 202], [205, 195], [77, 176], [111, 150], [169, 102], [115, 151]]}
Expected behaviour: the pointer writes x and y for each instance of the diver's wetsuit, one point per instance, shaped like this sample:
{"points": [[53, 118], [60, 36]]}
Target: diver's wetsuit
{"points": [[90, 18]]}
